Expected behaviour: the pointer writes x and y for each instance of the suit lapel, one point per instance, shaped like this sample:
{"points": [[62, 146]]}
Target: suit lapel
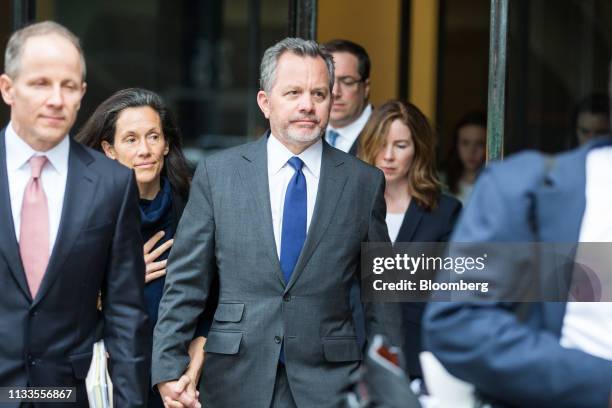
{"points": [[8, 241], [80, 188], [331, 184], [254, 174], [563, 197], [354, 148], [411, 221]]}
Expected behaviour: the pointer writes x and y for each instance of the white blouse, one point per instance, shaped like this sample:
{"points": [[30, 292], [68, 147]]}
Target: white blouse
{"points": [[394, 222]]}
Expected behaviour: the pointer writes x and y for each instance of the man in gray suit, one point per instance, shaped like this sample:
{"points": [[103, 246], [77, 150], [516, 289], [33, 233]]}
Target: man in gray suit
{"points": [[280, 222]]}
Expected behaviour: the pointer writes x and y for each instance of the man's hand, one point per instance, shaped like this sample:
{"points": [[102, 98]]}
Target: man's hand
{"points": [[155, 269], [179, 394]]}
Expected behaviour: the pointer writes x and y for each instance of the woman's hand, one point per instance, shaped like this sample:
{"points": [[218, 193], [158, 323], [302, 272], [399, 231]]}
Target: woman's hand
{"points": [[183, 393], [197, 357], [155, 269]]}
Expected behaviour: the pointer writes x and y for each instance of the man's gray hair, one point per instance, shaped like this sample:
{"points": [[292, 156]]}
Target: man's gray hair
{"points": [[14, 48], [298, 46]]}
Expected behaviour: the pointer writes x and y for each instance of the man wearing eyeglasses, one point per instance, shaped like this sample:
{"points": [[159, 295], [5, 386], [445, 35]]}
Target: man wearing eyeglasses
{"points": [[350, 109]]}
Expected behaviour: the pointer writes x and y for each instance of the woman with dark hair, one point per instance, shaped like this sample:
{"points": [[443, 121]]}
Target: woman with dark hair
{"points": [[466, 155], [134, 127], [399, 141]]}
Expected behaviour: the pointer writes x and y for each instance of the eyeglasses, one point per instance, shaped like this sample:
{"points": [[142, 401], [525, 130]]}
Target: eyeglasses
{"points": [[347, 81]]}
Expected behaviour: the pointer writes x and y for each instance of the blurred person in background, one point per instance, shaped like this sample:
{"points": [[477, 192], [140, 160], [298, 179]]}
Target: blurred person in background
{"points": [[466, 155], [591, 118], [399, 140], [350, 106], [134, 127]]}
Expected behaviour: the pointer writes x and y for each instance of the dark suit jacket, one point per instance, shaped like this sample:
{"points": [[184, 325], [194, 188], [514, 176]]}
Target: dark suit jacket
{"points": [[423, 226], [48, 340], [521, 363], [226, 232], [355, 147]]}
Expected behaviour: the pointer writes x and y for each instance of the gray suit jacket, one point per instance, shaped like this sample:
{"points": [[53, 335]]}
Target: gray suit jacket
{"points": [[226, 231]]}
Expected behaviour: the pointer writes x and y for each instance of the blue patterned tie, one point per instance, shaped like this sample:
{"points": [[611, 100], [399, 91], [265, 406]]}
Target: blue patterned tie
{"points": [[332, 136], [293, 232]]}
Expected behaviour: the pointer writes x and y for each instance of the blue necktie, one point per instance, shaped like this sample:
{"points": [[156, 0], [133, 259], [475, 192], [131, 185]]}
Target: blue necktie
{"points": [[293, 233], [332, 136]]}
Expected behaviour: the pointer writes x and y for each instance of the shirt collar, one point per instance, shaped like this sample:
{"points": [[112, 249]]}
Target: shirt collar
{"points": [[353, 129], [278, 155], [18, 152]]}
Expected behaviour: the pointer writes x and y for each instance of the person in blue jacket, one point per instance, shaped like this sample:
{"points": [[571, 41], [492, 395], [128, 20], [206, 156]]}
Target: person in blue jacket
{"points": [[540, 354]]}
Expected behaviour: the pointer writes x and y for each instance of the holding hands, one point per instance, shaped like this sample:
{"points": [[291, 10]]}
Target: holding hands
{"points": [[179, 394]]}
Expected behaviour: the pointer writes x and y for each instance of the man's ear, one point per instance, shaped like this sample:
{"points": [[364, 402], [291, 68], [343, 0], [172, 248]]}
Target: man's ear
{"points": [[264, 103], [366, 85], [6, 87], [83, 90], [109, 150]]}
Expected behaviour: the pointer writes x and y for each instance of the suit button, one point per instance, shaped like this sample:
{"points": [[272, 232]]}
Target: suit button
{"points": [[277, 339], [287, 298]]}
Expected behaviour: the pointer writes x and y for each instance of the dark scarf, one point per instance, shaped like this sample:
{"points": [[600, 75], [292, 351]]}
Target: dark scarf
{"points": [[157, 215]]}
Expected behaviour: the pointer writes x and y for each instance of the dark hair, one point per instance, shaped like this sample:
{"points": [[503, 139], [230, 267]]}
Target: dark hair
{"points": [[101, 126], [424, 185], [357, 50], [453, 165], [595, 103]]}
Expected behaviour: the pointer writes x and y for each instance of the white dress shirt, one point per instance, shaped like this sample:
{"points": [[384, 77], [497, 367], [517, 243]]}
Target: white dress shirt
{"points": [[394, 223], [53, 178], [587, 326], [279, 174], [349, 133]]}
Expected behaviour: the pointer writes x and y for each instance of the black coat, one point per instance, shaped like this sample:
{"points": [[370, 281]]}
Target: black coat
{"points": [[47, 341], [422, 226]]}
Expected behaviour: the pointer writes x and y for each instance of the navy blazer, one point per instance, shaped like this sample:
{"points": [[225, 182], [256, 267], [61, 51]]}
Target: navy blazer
{"points": [[423, 226], [521, 362], [47, 340]]}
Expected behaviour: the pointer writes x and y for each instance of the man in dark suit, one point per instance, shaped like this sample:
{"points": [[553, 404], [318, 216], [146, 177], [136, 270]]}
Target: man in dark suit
{"points": [[546, 354], [350, 108], [69, 231], [280, 223]]}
